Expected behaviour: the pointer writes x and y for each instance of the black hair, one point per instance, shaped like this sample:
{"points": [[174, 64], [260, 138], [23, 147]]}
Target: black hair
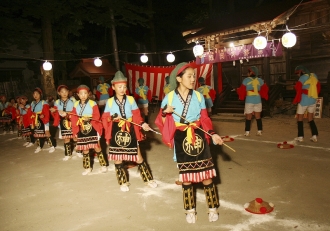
{"points": [[180, 75]]}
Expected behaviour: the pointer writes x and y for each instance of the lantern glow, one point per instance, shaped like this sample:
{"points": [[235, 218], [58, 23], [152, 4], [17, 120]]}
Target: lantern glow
{"points": [[170, 58], [98, 62], [47, 66], [198, 50], [144, 58], [289, 39], [260, 42]]}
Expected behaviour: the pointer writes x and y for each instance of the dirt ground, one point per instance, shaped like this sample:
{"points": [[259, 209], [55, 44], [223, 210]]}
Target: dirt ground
{"points": [[42, 192]]}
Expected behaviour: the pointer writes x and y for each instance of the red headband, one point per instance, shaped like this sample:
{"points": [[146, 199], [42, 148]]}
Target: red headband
{"points": [[123, 81], [183, 68], [251, 70], [38, 90], [83, 88], [62, 86]]}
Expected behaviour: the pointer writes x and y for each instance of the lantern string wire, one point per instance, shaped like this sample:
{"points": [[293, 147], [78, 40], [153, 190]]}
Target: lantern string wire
{"points": [[293, 28]]}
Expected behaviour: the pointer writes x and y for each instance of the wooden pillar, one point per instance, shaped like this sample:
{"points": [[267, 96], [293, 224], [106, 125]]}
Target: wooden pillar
{"points": [[266, 70], [266, 78]]}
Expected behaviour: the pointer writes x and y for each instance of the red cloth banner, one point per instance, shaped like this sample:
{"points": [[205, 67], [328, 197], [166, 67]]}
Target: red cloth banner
{"points": [[154, 76]]}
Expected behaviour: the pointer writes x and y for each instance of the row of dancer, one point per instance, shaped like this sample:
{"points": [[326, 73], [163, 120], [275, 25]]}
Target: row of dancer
{"points": [[31, 120], [122, 125], [308, 87]]}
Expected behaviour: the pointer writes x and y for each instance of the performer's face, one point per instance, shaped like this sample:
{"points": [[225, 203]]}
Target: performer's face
{"points": [[23, 101], [188, 79], [36, 95], [63, 93], [120, 88], [299, 73], [83, 95]]}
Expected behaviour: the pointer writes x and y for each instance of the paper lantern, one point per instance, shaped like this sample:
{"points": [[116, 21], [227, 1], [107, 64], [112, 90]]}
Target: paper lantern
{"points": [[289, 39], [170, 58], [198, 50], [98, 62], [260, 42], [47, 66], [144, 58]]}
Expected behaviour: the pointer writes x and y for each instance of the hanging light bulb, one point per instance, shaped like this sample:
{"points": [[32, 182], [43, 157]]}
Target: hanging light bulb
{"points": [[260, 42], [234, 63], [47, 66], [231, 44], [198, 50], [289, 39], [144, 58], [241, 61], [97, 62], [170, 58]]}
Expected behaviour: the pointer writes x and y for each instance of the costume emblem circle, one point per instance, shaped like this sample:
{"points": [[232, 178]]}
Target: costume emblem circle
{"points": [[193, 150], [123, 138], [87, 128]]}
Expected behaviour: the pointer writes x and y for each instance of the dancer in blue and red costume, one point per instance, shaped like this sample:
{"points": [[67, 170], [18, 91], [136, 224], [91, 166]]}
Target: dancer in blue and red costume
{"points": [[208, 93], [87, 128], [26, 121], [307, 89], [252, 90], [10, 113], [191, 145], [143, 97], [102, 91], [62, 113], [40, 121], [5, 118], [122, 136]]}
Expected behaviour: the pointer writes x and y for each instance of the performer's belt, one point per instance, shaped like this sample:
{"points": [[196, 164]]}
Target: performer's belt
{"points": [[124, 124], [35, 115], [304, 91], [190, 130], [251, 92], [81, 121]]}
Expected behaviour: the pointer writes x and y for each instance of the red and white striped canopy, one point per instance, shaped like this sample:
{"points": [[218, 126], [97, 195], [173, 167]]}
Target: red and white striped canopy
{"points": [[154, 76]]}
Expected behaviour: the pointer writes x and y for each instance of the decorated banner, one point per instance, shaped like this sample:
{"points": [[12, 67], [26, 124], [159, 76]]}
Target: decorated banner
{"points": [[240, 52], [154, 76]]}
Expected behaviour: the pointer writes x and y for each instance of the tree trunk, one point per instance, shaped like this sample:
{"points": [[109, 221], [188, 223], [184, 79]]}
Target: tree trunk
{"points": [[47, 80], [114, 40], [152, 34]]}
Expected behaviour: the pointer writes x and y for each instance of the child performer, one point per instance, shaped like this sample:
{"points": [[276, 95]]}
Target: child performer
{"points": [[123, 136], [307, 88], [61, 113], [143, 96], [87, 128], [191, 146], [10, 113], [252, 90], [26, 114], [208, 93], [18, 119], [4, 118], [40, 121]]}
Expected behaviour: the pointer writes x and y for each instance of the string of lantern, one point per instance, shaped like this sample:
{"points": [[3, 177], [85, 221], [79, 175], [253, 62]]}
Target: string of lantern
{"points": [[288, 40]]}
